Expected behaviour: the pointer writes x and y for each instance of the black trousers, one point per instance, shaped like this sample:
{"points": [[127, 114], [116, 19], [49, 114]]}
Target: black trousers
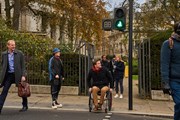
{"points": [[9, 80], [55, 89]]}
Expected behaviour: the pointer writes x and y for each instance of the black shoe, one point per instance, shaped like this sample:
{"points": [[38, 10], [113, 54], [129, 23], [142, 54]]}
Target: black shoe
{"points": [[23, 109]]}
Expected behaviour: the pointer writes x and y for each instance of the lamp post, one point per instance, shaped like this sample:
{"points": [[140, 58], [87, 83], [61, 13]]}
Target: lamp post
{"points": [[130, 54]]}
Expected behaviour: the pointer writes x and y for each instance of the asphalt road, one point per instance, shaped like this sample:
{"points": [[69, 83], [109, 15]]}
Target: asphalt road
{"points": [[42, 114]]}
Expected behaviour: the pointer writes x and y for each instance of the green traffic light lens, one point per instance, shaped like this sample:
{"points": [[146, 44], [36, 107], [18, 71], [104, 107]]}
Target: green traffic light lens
{"points": [[119, 24]]}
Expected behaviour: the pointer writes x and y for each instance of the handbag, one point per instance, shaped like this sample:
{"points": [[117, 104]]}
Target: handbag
{"points": [[24, 89]]}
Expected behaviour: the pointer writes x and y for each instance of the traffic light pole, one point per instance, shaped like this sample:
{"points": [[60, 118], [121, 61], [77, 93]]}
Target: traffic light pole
{"points": [[130, 54]]}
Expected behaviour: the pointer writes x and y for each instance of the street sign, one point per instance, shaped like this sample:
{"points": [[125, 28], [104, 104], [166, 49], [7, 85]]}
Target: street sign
{"points": [[107, 24]]}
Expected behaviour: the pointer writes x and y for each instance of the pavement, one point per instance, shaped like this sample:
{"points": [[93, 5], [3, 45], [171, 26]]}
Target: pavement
{"points": [[80, 103]]}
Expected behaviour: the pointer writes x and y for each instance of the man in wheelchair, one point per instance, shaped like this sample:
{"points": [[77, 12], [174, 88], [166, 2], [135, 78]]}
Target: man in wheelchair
{"points": [[99, 79]]}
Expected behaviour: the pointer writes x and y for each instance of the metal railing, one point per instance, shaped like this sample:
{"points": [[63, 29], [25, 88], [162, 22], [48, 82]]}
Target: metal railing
{"points": [[144, 69], [149, 67], [76, 64]]}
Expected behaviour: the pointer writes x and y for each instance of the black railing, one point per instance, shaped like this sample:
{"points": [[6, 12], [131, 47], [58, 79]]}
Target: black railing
{"points": [[76, 64]]}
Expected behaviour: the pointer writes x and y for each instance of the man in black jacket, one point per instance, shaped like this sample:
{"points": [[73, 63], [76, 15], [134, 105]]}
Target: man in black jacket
{"points": [[105, 62], [56, 75], [101, 78], [13, 71]]}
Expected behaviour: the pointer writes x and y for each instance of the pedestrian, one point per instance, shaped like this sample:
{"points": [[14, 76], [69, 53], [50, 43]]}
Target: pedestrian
{"points": [[105, 62], [56, 76], [112, 61], [99, 79], [13, 71], [170, 68], [119, 69]]}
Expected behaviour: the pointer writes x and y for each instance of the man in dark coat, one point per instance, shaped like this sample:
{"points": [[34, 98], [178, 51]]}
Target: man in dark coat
{"points": [[56, 75], [105, 62], [12, 71], [101, 79], [170, 68]]}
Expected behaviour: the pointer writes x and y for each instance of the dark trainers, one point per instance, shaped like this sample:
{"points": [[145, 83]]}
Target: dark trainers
{"points": [[58, 105], [23, 109]]}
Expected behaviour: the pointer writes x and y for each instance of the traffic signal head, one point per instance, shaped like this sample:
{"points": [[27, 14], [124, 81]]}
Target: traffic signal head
{"points": [[107, 24], [119, 21]]}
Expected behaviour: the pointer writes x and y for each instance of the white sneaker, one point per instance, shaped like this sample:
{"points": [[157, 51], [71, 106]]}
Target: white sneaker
{"points": [[59, 105], [54, 106], [116, 96], [121, 96]]}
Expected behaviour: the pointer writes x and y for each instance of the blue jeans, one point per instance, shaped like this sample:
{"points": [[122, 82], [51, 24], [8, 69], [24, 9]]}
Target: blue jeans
{"points": [[119, 81], [175, 89]]}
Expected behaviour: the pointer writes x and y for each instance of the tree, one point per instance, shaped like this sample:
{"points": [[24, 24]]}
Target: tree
{"points": [[157, 15], [8, 12], [75, 19], [16, 14]]}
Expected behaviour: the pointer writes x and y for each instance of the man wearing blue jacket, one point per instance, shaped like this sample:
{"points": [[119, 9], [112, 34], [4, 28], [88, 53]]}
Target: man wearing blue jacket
{"points": [[170, 68], [56, 75]]}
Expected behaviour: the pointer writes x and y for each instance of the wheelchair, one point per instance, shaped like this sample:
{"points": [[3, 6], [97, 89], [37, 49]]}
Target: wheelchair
{"points": [[107, 105]]}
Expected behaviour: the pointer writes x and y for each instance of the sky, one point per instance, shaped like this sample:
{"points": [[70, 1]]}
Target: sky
{"points": [[115, 3]]}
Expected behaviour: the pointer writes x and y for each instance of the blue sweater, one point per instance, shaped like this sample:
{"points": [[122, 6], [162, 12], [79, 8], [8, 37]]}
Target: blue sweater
{"points": [[170, 61]]}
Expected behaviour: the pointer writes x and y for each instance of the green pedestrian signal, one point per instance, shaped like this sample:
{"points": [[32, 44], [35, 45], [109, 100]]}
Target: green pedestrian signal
{"points": [[119, 24], [119, 21]]}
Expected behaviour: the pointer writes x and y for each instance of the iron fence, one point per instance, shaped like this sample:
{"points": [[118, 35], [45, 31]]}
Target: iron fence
{"points": [[144, 69], [76, 64], [149, 67]]}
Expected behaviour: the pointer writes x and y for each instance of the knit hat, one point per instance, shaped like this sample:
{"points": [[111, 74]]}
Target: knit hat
{"points": [[55, 50]]}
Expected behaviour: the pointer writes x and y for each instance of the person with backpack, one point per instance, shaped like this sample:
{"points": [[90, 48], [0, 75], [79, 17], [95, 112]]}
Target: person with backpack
{"points": [[170, 68], [56, 76]]}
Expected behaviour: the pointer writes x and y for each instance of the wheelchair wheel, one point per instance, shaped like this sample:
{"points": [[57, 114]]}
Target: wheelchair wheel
{"points": [[90, 109], [90, 103], [109, 101]]}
